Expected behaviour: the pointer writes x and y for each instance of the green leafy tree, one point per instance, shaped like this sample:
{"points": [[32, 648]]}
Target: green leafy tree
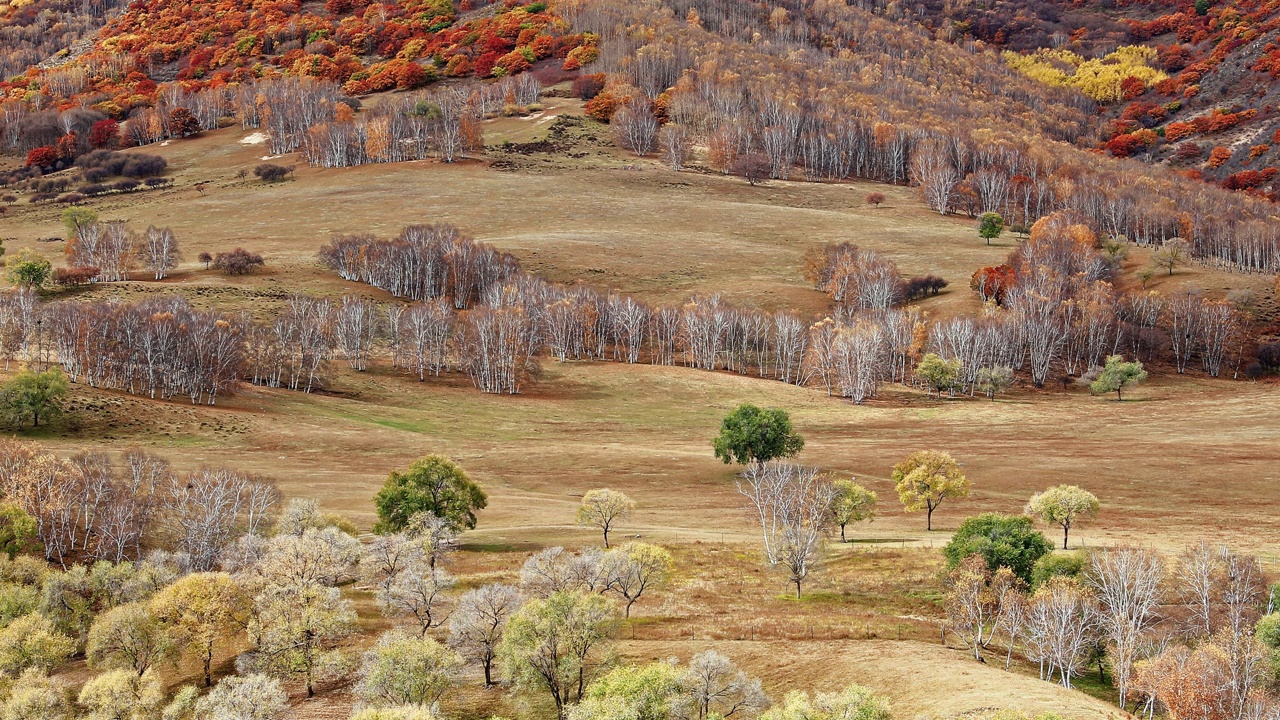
{"points": [[602, 508], [990, 226], [17, 599], [940, 375], [852, 504], [993, 381], [1064, 506], [74, 218], [1056, 564], [297, 628], [17, 530], [1171, 254], [33, 395], [751, 434], [558, 644], [26, 268], [1002, 540], [244, 697], [925, 479], [635, 568], [1116, 375], [36, 696], [434, 484]]}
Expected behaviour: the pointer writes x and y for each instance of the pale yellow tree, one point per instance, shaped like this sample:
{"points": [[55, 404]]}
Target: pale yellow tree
{"points": [[636, 567], [201, 610], [853, 504], [602, 508], [128, 636], [122, 695], [1064, 506], [32, 641], [925, 479]]}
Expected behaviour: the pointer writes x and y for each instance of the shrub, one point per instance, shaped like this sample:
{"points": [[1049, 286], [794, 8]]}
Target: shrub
{"points": [[270, 172], [1057, 564], [752, 167], [875, 198], [139, 166], [586, 87], [43, 157], [1269, 356], [72, 276], [238, 262]]}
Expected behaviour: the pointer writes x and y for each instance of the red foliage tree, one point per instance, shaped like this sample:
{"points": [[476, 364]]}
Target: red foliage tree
{"points": [[43, 157], [104, 134], [992, 283]]}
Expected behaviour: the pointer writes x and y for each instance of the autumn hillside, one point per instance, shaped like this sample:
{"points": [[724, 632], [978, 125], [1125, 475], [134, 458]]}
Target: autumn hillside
{"points": [[1202, 100]]}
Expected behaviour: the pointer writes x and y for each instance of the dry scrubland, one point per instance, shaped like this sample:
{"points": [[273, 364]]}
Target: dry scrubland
{"points": [[1185, 457]]}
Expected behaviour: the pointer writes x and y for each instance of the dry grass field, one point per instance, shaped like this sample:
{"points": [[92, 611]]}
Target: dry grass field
{"points": [[1181, 458]]}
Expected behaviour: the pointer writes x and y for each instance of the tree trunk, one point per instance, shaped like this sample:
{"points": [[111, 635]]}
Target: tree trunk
{"points": [[928, 521], [606, 538], [1065, 530], [842, 535], [797, 589], [488, 672], [208, 661]]}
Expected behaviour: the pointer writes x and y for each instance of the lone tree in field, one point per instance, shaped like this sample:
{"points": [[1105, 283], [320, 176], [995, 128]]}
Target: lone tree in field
{"points": [[792, 503], [31, 396], [1171, 254], [602, 508], [753, 435], [875, 198], [853, 503], [1116, 376], [927, 478], [752, 167], [990, 226], [434, 484], [1064, 506]]}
